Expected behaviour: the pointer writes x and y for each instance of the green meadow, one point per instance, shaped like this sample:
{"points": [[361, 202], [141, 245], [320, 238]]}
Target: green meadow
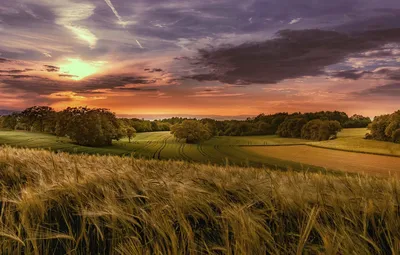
{"points": [[220, 150]]}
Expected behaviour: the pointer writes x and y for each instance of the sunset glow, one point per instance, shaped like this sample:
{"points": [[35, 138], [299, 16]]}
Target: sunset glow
{"points": [[235, 58], [79, 69]]}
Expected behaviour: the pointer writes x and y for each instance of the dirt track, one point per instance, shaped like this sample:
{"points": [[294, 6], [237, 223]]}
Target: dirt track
{"points": [[333, 159]]}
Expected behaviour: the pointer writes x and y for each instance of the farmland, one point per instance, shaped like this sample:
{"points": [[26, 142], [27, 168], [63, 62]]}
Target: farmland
{"points": [[242, 151], [162, 145], [81, 204]]}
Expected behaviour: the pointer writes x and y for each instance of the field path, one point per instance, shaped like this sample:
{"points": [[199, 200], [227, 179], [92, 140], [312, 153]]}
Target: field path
{"points": [[332, 159]]}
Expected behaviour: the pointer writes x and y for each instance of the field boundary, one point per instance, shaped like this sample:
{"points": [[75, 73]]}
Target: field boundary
{"points": [[322, 147], [362, 152]]}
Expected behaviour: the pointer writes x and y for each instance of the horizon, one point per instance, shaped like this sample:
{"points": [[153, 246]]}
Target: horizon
{"points": [[232, 59], [161, 117]]}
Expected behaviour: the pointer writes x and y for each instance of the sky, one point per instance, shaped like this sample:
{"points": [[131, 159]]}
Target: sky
{"points": [[160, 58]]}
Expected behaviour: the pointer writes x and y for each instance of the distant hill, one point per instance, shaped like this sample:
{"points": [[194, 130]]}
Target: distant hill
{"points": [[6, 112]]}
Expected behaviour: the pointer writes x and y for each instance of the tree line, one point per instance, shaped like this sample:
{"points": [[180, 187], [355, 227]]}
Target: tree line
{"points": [[385, 128], [83, 125], [98, 127]]}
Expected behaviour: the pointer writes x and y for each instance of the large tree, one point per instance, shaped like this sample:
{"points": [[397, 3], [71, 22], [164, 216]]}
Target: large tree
{"points": [[192, 131], [320, 129], [41, 118], [89, 127], [386, 127]]}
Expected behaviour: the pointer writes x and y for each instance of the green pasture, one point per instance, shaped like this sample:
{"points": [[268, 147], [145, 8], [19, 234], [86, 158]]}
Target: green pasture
{"points": [[162, 145], [353, 140], [219, 150]]}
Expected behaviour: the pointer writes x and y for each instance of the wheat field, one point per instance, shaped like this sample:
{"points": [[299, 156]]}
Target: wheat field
{"points": [[85, 204]]}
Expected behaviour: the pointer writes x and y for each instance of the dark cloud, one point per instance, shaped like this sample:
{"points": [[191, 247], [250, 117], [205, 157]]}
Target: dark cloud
{"points": [[14, 71], [50, 68], [68, 75], [45, 86], [4, 60], [392, 74], [154, 70], [293, 54], [389, 90], [351, 74], [17, 76], [137, 89]]}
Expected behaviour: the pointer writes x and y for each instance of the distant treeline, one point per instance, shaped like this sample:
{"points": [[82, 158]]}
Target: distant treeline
{"points": [[97, 127], [386, 128]]}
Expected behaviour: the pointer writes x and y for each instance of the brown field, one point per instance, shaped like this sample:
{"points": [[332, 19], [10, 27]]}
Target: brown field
{"points": [[333, 159]]}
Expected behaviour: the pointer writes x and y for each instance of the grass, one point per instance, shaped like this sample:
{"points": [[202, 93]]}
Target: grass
{"points": [[353, 140], [220, 150], [333, 159], [162, 145], [82, 204]]}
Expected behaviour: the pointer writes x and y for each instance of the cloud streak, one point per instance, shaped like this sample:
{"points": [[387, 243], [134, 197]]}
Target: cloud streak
{"points": [[120, 21]]}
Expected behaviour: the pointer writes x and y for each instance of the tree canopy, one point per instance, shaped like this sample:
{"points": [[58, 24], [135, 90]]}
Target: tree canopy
{"points": [[386, 128], [192, 131]]}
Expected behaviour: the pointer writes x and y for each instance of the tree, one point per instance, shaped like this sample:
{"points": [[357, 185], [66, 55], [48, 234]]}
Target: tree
{"points": [[357, 121], [320, 129], [386, 127], [378, 127], [192, 131], [10, 121], [89, 127], [291, 127], [41, 117], [130, 133]]}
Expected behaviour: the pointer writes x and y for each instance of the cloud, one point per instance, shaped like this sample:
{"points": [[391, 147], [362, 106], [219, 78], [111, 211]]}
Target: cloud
{"points": [[68, 76], [388, 90], [50, 68], [292, 54], [294, 21], [4, 60], [83, 34], [69, 13], [351, 74], [15, 71], [120, 21], [389, 73]]}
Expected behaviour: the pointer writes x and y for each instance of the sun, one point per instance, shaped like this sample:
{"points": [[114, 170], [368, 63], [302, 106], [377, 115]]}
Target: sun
{"points": [[79, 69]]}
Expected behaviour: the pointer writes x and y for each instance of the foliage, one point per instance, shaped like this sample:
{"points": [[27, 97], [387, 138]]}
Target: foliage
{"points": [[70, 204], [130, 133], [10, 121], [89, 127], [40, 118], [291, 127], [357, 121], [386, 128], [192, 131], [319, 130]]}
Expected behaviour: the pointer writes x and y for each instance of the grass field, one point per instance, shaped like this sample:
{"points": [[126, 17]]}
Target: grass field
{"points": [[81, 204], [352, 140], [241, 151], [162, 145], [333, 159]]}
